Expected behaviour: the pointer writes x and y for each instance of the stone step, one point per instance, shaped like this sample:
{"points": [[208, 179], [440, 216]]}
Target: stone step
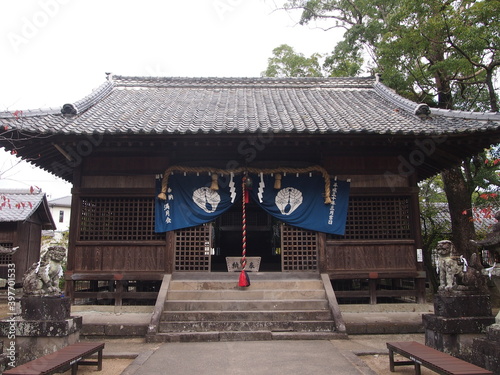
{"points": [[309, 336], [276, 306], [184, 337], [250, 294], [225, 326], [242, 336], [277, 315], [254, 276], [254, 284], [245, 305]]}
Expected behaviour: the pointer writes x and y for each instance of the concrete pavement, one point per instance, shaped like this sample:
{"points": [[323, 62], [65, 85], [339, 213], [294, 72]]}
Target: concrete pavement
{"points": [[253, 357], [248, 357], [368, 332]]}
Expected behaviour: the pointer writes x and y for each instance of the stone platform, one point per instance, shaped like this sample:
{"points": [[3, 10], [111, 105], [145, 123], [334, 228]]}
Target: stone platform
{"points": [[44, 326], [459, 319]]}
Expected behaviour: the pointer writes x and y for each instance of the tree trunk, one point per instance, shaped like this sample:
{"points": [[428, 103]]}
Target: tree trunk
{"points": [[491, 90], [459, 203]]}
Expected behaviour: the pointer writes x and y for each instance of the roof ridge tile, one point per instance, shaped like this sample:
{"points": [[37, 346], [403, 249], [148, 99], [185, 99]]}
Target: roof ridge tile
{"points": [[337, 82], [411, 106]]}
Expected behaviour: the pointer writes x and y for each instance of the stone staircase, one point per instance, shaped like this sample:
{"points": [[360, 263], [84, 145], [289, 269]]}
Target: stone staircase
{"points": [[276, 306]]}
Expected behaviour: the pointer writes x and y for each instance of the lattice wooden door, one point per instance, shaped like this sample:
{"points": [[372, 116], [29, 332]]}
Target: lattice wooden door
{"points": [[192, 248], [299, 249]]}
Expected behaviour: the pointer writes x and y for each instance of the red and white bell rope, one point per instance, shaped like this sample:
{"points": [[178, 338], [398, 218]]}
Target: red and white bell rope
{"points": [[244, 225], [244, 279]]}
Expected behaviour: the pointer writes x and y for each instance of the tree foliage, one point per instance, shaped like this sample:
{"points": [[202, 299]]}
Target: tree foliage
{"points": [[441, 52], [435, 222], [432, 51], [288, 63]]}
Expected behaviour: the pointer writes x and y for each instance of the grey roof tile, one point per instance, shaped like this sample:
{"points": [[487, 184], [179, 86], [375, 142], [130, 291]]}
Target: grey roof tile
{"points": [[156, 105], [18, 205], [62, 202]]}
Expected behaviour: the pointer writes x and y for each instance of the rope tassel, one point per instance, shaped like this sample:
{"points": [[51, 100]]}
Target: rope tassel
{"points": [[215, 183], [277, 181]]}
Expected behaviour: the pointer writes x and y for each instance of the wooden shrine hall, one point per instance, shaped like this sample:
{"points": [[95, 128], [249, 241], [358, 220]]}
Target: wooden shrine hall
{"points": [[118, 145]]}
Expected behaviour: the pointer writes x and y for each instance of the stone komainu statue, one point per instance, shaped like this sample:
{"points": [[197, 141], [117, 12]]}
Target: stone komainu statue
{"points": [[448, 267], [455, 273], [42, 278]]}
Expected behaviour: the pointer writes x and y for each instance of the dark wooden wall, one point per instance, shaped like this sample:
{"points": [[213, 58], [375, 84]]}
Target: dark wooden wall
{"points": [[374, 179], [28, 236]]}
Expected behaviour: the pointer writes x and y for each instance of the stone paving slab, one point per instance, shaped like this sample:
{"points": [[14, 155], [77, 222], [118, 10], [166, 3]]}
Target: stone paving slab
{"points": [[302, 357]]}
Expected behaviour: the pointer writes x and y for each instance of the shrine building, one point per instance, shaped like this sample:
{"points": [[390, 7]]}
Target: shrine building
{"points": [[323, 171]]}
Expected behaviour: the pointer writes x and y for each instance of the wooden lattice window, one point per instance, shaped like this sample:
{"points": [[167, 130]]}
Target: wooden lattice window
{"points": [[118, 219], [6, 258], [378, 218], [299, 249], [192, 248]]}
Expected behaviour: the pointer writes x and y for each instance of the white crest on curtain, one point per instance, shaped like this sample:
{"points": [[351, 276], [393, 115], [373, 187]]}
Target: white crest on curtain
{"points": [[206, 198], [288, 199]]}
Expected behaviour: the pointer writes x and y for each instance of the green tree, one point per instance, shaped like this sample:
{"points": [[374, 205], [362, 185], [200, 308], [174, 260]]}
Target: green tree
{"points": [[483, 182], [429, 51], [444, 53], [288, 63], [342, 62], [435, 221]]}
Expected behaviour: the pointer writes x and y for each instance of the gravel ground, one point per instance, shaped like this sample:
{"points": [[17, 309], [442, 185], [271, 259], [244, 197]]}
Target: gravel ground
{"points": [[109, 367], [380, 364]]}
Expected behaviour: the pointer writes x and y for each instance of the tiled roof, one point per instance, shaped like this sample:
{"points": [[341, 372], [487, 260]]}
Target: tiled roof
{"points": [[149, 105], [19, 205], [61, 202]]}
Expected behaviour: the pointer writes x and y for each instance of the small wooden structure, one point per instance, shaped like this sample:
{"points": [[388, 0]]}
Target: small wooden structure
{"points": [[23, 216], [112, 144]]}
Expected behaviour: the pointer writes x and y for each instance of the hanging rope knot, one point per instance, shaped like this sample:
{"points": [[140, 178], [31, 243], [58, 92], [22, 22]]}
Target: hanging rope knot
{"points": [[277, 181], [215, 183]]}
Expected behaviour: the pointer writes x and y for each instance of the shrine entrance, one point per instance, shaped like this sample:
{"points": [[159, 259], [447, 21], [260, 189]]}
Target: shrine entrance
{"points": [[263, 239], [281, 247]]}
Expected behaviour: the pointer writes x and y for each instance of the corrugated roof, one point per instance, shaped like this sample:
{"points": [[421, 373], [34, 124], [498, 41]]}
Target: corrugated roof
{"points": [[150, 105]]}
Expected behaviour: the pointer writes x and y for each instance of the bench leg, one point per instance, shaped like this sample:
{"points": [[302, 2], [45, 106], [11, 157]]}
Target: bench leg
{"points": [[391, 360], [74, 368], [417, 368], [99, 360]]}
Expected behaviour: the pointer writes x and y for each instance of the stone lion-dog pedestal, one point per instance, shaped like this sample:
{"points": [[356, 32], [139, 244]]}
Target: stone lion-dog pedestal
{"points": [[44, 324]]}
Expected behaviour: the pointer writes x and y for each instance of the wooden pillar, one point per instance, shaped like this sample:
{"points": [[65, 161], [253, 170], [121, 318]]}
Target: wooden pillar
{"points": [[372, 284], [322, 252], [74, 225], [170, 252], [417, 234], [119, 293]]}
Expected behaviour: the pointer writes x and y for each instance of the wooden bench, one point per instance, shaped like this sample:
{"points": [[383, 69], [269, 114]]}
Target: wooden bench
{"points": [[70, 356], [421, 355]]}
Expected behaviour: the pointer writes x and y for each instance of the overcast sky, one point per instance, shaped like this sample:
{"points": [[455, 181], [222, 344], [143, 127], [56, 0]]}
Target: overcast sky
{"points": [[57, 51]]}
